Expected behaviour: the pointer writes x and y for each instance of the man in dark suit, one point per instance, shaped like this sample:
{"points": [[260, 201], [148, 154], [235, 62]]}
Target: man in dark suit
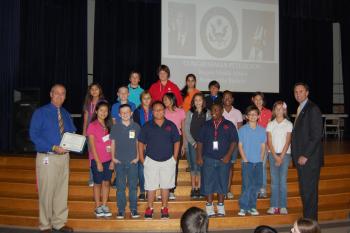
{"points": [[307, 149]]}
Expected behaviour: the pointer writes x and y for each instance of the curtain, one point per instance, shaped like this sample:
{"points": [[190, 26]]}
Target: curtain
{"points": [[53, 47], [9, 62], [127, 37]]}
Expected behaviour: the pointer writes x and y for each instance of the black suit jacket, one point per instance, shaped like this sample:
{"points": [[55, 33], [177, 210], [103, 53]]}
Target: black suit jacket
{"points": [[307, 136]]}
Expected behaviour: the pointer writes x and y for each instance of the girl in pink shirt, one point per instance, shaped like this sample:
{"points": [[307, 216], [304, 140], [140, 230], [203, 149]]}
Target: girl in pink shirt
{"points": [[93, 95], [177, 116], [100, 156]]}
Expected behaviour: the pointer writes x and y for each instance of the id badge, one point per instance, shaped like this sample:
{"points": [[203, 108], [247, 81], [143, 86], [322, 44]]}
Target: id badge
{"points": [[132, 134], [105, 138], [46, 160], [215, 145]]}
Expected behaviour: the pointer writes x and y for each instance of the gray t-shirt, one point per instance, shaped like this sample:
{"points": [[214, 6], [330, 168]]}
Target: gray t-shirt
{"points": [[125, 141]]}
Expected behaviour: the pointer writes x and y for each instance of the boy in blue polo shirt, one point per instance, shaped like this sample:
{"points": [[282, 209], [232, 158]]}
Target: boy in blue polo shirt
{"points": [[252, 139], [124, 150], [215, 146], [161, 139]]}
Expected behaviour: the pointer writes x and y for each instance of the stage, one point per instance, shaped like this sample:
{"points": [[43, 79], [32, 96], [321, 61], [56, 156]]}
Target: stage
{"points": [[19, 204]]}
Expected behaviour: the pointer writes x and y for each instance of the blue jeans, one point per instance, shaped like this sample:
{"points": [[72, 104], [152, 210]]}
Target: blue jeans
{"points": [[191, 156], [279, 182], [214, 177], [252, 181], [141, 177], [264, 174], [126, 173]]}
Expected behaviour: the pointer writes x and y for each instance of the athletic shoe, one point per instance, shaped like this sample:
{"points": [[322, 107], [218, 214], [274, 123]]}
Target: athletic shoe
{"points": [[91, 184], [142, 196], [159, 197], [241, 212], [229, 195], [120, 215], [172, 196], [99, 212], [197, 192], [164, 213], [106, 211], [210, 210], [193, 194], [221, 210], [134, 214], [253, 212], [149, 213], [272, 210], [283, 211]]}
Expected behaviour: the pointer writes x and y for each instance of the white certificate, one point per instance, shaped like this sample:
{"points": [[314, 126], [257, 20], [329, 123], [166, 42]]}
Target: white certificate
{"points": [[73, 142]]}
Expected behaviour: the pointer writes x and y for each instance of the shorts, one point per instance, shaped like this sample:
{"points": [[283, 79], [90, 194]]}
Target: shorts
{"points": [[105, 175], [159, 174], [214, 176]]}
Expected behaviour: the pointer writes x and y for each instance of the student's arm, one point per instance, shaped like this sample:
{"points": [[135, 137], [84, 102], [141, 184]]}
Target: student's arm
{"points": [[184, 139], [176, 149], [262, 155], [242, 153], [85, 122], [228, 155], [187, 128], [94, 152], [199, 157], [141, 151], [113, 149], [137, 154]]}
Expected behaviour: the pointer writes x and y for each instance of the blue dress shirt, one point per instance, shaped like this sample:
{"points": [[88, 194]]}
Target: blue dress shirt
{"points": [[44, 129]]}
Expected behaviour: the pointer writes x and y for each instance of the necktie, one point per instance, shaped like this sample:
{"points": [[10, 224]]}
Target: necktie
{"points": [[60, 121], [298, 112]]}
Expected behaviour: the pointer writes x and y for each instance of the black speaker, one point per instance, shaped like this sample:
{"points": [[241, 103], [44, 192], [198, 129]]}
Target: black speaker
{"points": [[25, 103]]}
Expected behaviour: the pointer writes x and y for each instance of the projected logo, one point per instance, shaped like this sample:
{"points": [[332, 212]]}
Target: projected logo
{"points": [[218, 32]]}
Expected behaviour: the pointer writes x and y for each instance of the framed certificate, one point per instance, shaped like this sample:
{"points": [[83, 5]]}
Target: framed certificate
{"points": [[73, 142]]}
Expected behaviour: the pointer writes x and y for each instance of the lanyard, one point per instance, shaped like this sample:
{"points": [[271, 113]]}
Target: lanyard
{"points": [[92, 108], [216, 126]]}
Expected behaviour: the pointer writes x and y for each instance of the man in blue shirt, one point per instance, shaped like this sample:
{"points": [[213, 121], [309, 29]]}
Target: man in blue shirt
{"points": [[217, 140], [161, 139], [47, 126]]}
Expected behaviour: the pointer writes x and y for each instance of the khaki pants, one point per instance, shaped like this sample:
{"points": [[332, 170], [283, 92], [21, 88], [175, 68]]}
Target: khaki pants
{"points": [[52, 173]]}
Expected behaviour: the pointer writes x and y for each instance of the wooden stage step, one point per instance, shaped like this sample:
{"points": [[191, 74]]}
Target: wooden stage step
{"points": [[19, 204]]}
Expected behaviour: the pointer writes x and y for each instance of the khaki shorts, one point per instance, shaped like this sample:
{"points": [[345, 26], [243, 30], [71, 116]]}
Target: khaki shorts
{"points": [[159, 174]]}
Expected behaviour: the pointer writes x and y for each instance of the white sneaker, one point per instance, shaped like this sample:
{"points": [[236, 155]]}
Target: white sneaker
{"points": [[229, 195], [253, 212], [210, 210], [159, 197], [241, 212], [272, 210], [106, 211], [172, 196], [283, 211], [221, 209]]}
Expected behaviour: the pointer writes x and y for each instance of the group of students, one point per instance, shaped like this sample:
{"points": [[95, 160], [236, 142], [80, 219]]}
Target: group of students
{"points": [[144, 134], [195, 220]]}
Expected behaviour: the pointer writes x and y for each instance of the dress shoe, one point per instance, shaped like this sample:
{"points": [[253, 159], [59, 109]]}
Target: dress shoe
{"points": [[65, 229]]}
